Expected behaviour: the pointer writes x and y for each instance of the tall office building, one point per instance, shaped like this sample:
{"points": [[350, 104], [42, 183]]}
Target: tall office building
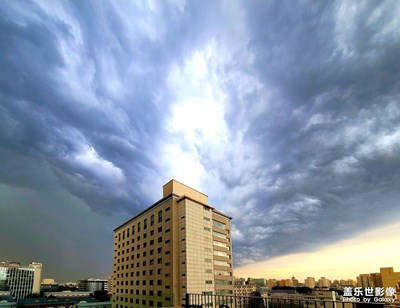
{"points": [[20, 280], [178, 245]]}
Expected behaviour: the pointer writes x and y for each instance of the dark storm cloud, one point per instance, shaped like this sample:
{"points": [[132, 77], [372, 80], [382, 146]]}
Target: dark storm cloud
{"points": [[58, 107], [312, 111], [83, 109], [329, 138]]}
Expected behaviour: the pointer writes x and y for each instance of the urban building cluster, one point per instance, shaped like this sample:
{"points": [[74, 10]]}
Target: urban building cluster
{"points": [[23, 286], [176, 253], [323, 289]]}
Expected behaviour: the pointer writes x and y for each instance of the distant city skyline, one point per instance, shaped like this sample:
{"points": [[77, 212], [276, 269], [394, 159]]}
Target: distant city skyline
{"points": [[285, 113]]}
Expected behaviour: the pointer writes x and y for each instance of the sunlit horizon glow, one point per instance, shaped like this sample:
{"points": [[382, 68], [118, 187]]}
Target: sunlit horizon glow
{"points": [[362, 254]]}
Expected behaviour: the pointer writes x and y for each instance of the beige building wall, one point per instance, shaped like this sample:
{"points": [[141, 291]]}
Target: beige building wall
{"points": [[196, 255], [309, 282], [390, 278], [37, 277]]}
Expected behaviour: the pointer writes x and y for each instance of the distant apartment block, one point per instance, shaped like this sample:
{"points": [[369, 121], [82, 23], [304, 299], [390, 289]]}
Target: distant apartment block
{"points": [[324, 282], [309, 282], [179, 245], [242, 291], [20, 280], [386, 278], [271, 283]]}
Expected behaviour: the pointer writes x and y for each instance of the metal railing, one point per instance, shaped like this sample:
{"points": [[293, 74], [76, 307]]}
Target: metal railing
{"points": [[232, 301]]}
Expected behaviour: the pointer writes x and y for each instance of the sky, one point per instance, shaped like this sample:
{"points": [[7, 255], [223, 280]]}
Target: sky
{"points": [[285, 113]]}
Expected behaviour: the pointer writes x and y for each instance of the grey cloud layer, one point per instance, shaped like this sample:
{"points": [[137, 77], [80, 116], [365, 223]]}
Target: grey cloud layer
{"points": [[311, 88]]}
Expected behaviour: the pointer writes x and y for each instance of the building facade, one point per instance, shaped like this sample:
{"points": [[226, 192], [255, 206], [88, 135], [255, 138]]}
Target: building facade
{"points": [[309, 282], [178, 245], [91, 285], [20, 280], [386, 278]]}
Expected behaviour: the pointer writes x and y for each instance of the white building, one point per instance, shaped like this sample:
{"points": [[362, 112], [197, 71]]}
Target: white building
{"points": [[20, 280]]}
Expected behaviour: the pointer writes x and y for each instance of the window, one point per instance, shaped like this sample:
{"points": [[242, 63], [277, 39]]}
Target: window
{"points": [[151, 232], [219, 244], [168, 219], [167, 209], [159, 249], [221, 263], [206, 219], [207, 229], [151, 272], [208, 281], [221, 254], [159, 229], [160, 216], [133, 229], [223, 282], [207, 260], [145, 235], [159, 239], [151, 242], [159, 293], [219, 224], [152, 220], [159, 260], [159, 282], [159, 271], [138, 227], [145, 224], [219, 234]]}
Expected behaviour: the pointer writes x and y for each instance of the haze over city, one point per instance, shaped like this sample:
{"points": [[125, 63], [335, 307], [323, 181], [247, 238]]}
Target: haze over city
{"points": [[286, 114]]}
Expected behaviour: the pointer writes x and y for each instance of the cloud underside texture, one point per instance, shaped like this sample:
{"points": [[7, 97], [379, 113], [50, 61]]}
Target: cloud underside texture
{"points": [[304, 152]]}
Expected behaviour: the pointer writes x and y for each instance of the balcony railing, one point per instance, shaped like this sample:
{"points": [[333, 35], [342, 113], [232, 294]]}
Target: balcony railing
{"points": [[232, 301]]}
